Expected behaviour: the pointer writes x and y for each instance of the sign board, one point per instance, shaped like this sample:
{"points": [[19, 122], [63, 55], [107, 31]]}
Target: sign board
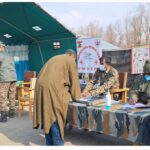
{"points": [[88, 53], [138, 57]]}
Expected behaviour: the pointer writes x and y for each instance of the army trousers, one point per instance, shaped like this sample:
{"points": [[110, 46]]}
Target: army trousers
{"points": [[7, 96]]}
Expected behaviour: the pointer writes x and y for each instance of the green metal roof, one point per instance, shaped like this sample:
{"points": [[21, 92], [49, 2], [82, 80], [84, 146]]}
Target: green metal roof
{"points": [[18, 18]]}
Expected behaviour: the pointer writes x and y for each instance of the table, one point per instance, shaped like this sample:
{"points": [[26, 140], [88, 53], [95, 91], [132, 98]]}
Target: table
{"points": [[127, 124]]}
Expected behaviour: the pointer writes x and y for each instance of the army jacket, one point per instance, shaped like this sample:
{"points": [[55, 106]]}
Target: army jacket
{"points": [[107, 81], [140, 85], [7, 68]]}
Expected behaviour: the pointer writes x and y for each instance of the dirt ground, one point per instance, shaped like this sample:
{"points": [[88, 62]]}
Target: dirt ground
{"points": [[19, 131]]}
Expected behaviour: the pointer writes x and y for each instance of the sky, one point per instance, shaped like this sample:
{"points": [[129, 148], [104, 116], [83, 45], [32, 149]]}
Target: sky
{"points": [[77, 14]]}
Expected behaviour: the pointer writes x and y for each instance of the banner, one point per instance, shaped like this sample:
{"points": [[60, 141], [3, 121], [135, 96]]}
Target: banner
{"points": [[88, 53], [138, 57]]}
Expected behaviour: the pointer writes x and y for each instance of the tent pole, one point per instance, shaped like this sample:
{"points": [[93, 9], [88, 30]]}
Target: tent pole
{"points": [[40, 52], [26, 35]]}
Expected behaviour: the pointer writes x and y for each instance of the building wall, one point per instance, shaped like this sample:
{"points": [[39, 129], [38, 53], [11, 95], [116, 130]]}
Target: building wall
{"points": [[121, 60]]}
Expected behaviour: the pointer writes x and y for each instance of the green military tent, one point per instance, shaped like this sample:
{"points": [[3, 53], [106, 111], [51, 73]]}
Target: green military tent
{"points": [[27, 23]]}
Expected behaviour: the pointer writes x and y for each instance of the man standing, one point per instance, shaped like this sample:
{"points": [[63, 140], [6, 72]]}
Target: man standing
{"points": [[108, 79], [57, 84], [7, 85]]}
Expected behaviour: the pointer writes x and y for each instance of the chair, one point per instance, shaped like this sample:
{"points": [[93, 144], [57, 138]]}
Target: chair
{"points": [[26, 82], [122, 89], [27, 77], [26, 98]]}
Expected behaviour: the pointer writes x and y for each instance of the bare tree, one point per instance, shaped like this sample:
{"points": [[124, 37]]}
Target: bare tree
{"points": [[134, 31], [92, 29], [119, 34], [146, 24], [127, 32], [110, 35], [137, 25]]}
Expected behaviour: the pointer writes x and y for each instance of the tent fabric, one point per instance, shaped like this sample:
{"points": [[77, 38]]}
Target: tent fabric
{"points": [[18, 19], [48, 51]]}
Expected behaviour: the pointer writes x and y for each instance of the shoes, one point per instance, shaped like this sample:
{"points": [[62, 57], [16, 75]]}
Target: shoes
{"points": [[11, 113], [3, 117]]}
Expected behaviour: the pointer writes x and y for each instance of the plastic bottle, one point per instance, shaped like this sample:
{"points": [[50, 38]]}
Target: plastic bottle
{"points": [[108, 100]]}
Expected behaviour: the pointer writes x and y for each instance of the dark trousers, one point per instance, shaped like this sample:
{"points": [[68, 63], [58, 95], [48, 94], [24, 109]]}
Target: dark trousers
{"points": [[54, 136]]}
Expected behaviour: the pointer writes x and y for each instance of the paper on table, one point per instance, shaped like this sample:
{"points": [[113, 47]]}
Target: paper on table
{"points": [[139, 105], [114, 102], [77, 104], [91, 98], [133, 106], [83, 99]]}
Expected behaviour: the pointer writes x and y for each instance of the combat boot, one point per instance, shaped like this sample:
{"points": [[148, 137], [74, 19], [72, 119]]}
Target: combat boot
{"points": [[3, 117], [11, 113]]}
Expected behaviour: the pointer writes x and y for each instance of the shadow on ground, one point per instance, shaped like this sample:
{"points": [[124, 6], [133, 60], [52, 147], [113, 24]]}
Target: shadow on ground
{"points": [[19, 131], [86, 138]]}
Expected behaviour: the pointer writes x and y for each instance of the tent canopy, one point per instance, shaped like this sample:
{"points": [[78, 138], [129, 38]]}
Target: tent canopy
{"points": [[19, 19], [27, 23]]}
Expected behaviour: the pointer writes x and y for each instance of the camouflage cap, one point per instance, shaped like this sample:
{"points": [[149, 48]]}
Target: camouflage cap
{"points": [[146, 68]]}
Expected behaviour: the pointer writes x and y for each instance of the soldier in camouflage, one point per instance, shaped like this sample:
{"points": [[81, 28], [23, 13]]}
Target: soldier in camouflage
{"points": [[140, 91], [108, 79], [7, 85]]}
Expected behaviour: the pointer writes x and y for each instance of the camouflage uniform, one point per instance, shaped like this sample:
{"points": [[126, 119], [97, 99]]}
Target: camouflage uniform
{"points": [[7, 88], [7, 83], [140, 85], [107, 81], [132, 125]]}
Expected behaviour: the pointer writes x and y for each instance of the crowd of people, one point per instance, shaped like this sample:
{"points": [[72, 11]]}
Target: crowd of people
{"points": [[57, 84]]}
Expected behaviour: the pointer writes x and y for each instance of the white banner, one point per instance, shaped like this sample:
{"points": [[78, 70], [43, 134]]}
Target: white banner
{"points": [[88, 51], [138, 57]]}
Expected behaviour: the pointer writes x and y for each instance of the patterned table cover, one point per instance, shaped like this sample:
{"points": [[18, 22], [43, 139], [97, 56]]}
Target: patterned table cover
{"points": [[123, 123]]}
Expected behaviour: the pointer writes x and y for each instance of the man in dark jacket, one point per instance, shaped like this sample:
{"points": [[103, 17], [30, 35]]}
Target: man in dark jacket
{"points": [[7, 85]]}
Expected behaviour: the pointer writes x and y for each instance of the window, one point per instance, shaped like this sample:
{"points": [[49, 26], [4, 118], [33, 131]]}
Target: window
{"points": [[37, 28], [56, 45], [7, 35]]}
